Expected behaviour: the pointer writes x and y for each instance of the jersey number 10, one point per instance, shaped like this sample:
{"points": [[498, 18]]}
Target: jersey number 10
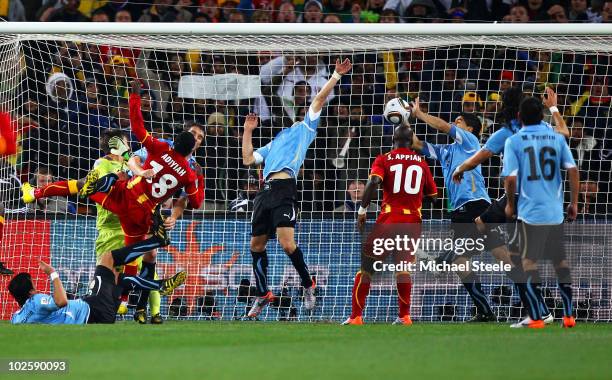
{"points": [[412, 178]]}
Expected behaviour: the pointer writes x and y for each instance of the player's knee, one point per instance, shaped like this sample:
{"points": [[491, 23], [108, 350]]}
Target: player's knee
{"points": [[150, 256], [529, 264], [288, 245], [258, 244]]}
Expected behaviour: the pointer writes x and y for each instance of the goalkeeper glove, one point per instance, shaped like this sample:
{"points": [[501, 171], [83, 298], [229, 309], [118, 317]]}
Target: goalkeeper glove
{"points": [[119, 147]]}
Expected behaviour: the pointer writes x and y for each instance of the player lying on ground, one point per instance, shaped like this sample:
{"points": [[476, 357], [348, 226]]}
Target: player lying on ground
{"points": [[490, 221], [135, 164], [468, 200], [533, 159], [405, 178], [100, 305], [275, 206]]}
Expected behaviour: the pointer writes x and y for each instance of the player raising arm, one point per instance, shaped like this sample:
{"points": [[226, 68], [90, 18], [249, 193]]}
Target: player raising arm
{"points": [[275, 206], [100, 305], [533, 159], [405, 178], [495, 143], [467, 200]]}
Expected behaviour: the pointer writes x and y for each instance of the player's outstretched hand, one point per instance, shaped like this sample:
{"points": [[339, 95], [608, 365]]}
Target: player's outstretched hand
{"points": [[549, 98], [457, 176], [48, 269], [251, 122], [415, 107], [135, 87], [572, 211], [344, 67], [361, 221]]}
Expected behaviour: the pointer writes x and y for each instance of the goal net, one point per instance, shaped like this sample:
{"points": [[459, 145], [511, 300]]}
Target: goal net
{"points": [[63, 90]]}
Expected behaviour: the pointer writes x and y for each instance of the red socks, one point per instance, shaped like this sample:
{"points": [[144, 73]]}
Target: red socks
{"points": [[404, 290], [361, 289], [60, 188]]}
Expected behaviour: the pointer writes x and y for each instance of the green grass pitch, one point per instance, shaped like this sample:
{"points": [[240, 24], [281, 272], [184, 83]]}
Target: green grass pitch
{"points": [[262, 350]]}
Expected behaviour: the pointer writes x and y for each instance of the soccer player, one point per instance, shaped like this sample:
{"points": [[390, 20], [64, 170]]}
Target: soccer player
{"points": [[467, 200], [491, 219], [100, 305], [533, 159], [8, 147], [135, 164], [405, 177], [3, 269], [275, 206]]}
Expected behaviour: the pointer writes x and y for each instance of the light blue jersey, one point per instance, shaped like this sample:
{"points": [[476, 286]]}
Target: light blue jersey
{"points": [[495, 144], [287, 150], [535, 155], [142, 153], [472, 187], [40, 308]]}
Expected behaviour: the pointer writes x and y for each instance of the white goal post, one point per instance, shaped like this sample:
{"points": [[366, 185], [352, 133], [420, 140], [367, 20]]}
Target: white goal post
{"points": [[67, 82]]}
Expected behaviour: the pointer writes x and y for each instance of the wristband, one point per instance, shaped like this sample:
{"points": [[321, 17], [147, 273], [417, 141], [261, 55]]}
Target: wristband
{"points": [[553, 109], [53, 276], [362, 211], [336, 76]]}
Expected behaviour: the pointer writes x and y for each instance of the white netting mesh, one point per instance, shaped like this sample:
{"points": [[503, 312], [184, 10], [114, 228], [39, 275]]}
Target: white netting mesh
{"points": [[65, 89]]}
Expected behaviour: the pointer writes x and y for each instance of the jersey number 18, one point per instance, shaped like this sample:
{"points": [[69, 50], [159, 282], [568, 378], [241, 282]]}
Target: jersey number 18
{"points": [[165, 182]]}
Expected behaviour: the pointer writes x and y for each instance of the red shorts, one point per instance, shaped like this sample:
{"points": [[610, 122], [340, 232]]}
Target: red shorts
{"points": [[135, 218], [390, 227]]}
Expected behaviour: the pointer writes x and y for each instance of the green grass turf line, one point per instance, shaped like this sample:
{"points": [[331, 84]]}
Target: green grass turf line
{"points": [[253, 350]]}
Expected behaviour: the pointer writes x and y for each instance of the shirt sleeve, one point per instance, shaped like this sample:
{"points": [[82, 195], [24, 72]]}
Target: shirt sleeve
{"points": [[511, 162], [567, 160], [312, 120], [45, 303], [495, 143], [152, 144], [431, 151], [378, 167], [429, 187], [261, 153]]}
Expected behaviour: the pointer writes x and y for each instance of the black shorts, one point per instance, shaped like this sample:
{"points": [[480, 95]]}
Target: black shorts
{"points": [[463, 226], [542, 242], [274, 206], [494, 217], [103, 297]]}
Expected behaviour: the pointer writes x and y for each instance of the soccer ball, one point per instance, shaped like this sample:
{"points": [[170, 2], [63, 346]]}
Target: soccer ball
{"points": [[396, 111]]}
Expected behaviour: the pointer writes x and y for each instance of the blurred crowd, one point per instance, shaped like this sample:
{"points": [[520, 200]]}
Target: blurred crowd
{"points": [[70, 91], [312, 11]]}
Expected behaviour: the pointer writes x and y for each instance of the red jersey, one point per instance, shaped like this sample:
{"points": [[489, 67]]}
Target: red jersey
{"points": [[406, 178], [172, 171]]}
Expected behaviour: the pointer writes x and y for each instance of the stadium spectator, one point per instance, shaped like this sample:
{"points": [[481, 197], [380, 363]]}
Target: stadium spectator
{"points": [[68, 12], [341, 8], [235, 16], [557, 14], [471, 102], [286, 13], [536, 10], [518, 14], [581, 144], [606, 13], [313, 12], [354, 192], [261, 16], [420, 11], [211, 9], [164, 11], [13, 10], [100, 15], [332, 19], [123, 15], [389, 16], [578, 11]]}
